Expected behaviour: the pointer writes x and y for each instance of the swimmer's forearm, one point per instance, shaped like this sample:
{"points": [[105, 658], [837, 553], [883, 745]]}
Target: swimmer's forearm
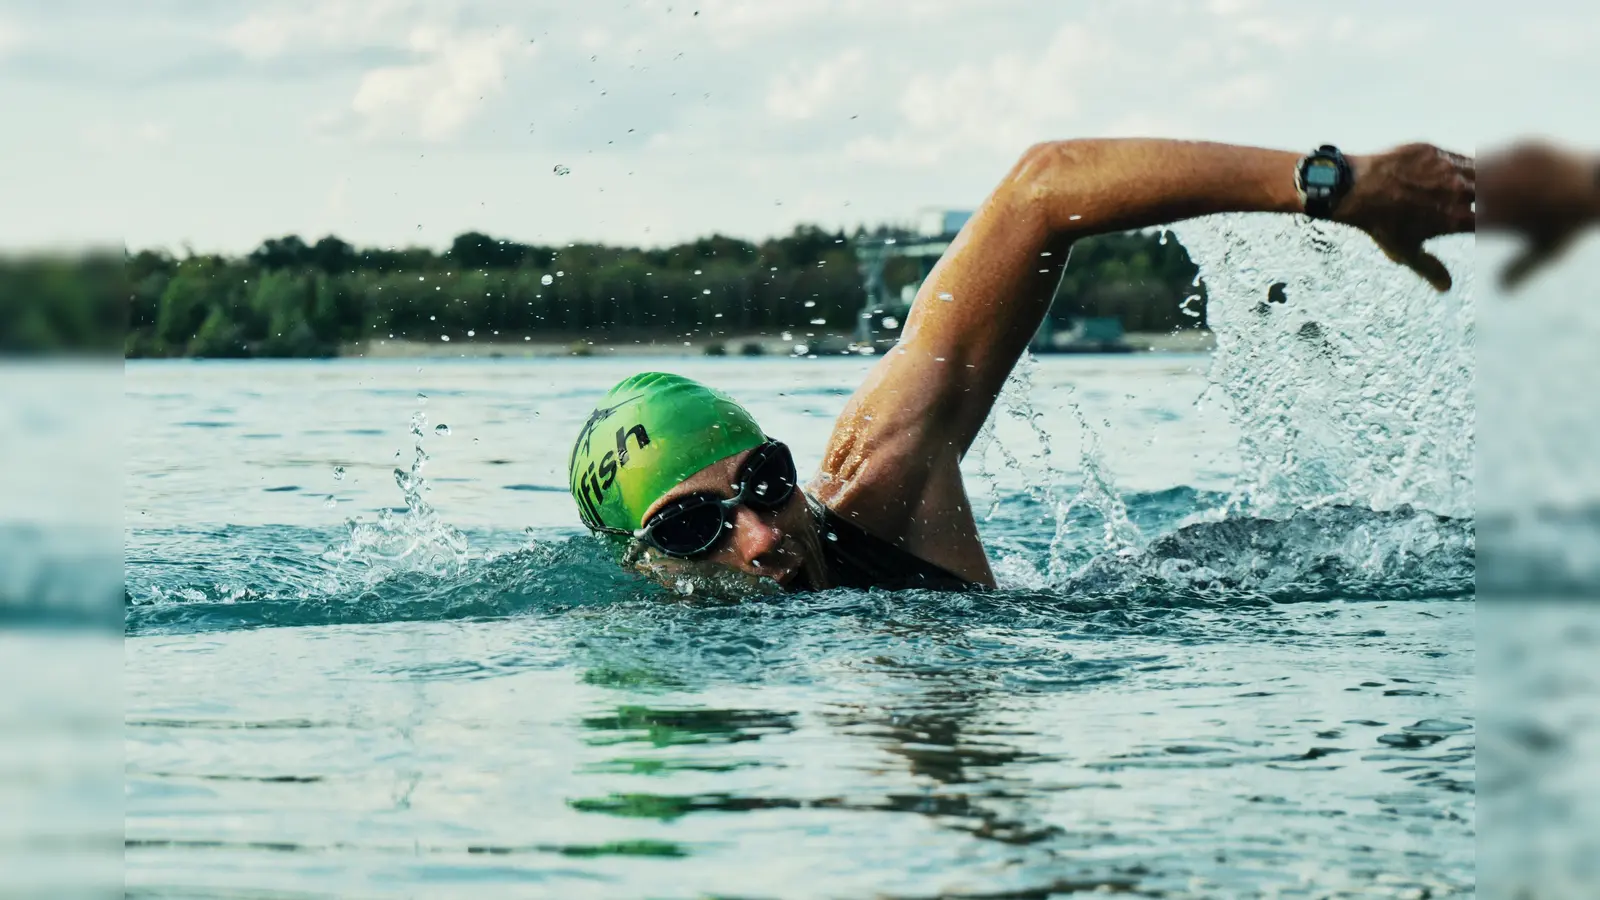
{"points": [[1095, 186]]}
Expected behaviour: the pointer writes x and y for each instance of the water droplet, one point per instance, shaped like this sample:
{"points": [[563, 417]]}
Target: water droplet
{"points": [[810, 303], [819, 321], [562, 170], [421, 397], [1074, 218], [338, 473], [945, 296], [832, 536], [441, 429], [547, 279], [560, 273], [330, 502], [472, 334], [697, 271], [445, 338]]}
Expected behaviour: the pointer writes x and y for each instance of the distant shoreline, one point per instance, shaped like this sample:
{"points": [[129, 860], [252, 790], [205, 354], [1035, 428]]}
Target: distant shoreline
{"points": [[752, 346]]}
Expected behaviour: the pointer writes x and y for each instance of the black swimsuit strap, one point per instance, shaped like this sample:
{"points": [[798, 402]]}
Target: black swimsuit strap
{"points": [[859, 559]]}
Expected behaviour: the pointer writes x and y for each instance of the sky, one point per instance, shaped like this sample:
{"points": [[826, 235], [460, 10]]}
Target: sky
{"points": [[212, 126]]}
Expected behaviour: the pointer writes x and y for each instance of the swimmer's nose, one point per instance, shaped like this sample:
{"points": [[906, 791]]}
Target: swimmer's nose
{"points": [[755, 537]]}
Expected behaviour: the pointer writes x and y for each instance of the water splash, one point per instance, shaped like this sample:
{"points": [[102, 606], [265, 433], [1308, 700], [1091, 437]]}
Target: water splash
{"points": [[1332, 551], [417, 540], [1348, 377], [1098, 492], [1350, 383], [1044, 483]]}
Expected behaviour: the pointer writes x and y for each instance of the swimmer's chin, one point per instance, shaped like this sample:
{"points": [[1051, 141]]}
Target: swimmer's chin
{"points": [[709, 582]]}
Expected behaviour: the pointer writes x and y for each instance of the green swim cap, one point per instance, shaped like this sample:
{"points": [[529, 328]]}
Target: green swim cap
{"points": [[647, 434]]}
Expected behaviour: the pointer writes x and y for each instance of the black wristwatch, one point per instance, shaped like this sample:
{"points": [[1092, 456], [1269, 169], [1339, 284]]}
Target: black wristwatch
{"points": [[1322, 178]]}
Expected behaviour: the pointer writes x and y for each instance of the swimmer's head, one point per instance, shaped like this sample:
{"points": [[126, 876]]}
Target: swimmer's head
{"points": [[656, 454]]}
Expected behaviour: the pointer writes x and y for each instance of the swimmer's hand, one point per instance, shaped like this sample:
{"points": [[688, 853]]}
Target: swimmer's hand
{"points": [[1408, 196], [1543, 194]]}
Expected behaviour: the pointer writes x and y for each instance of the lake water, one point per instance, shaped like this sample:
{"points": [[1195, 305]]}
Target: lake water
{"points": [[1232, 654]]}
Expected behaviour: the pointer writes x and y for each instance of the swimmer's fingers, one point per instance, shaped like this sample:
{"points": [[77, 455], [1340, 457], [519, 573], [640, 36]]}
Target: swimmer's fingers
{"points": [[1425, 264], [1535, 256]]}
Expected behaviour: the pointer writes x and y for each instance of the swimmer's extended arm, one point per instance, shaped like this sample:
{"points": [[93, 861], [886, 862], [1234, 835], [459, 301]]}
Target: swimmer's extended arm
{"points": [[896, 447]]}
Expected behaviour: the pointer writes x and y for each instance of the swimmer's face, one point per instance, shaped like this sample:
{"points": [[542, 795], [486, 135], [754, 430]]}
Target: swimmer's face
{"points": [[783, 545]]}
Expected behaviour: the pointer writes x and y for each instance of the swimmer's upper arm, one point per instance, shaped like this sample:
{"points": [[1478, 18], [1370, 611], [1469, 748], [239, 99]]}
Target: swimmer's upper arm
{"points": [[932, 392], [971, 321]]}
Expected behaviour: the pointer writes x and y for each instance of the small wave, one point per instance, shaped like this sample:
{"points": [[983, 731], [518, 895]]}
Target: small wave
{"points": [[1315, 554], [548, 578], [271, 577]]}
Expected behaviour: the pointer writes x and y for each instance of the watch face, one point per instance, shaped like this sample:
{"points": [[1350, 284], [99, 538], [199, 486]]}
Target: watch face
{"points": [[1321, 175]]}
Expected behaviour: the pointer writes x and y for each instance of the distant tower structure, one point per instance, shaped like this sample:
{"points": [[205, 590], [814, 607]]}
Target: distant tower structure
{"points": [[942, 223], [882, 314]]}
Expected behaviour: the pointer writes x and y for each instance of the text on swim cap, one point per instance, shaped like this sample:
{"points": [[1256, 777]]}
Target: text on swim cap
{"points": [[595, 484]]}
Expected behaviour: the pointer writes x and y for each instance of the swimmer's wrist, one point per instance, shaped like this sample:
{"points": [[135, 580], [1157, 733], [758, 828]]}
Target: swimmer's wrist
{"points": [[1348, 211]]}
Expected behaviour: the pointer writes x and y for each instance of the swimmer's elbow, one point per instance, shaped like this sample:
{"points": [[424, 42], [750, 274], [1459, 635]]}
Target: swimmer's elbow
{"points": [[1048, 175], [1045, 160]]}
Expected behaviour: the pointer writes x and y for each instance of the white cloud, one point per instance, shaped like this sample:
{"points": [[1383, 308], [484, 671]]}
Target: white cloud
{"points": [[322, 24], [1562, 36], [433, 97], [117, 137], [1245, 91], [440, 93], [1279, 33], [1002, 104], [801, 93], [719, 116]]}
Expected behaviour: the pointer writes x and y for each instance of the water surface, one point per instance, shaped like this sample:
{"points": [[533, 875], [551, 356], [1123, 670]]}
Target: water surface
{"points": [[1185, 688]]}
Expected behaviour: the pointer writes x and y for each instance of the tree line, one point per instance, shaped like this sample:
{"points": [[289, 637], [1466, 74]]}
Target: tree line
{"points": [[290, 298]]}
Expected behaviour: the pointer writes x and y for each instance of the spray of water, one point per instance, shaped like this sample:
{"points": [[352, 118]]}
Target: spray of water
{"points": [[417, 540], [1349, 378], [1046, 484], [1349, 382]]}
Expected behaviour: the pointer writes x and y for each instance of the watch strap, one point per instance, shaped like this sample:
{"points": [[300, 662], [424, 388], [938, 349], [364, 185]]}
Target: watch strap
{"points": [[1319, 201]]}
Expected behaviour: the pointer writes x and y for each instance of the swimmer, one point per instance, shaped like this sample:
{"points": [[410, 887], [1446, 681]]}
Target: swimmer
{"points": [[685, 480]]}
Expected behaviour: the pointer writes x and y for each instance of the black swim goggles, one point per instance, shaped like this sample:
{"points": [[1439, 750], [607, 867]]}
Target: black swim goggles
{"points": [[692, 526]]}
